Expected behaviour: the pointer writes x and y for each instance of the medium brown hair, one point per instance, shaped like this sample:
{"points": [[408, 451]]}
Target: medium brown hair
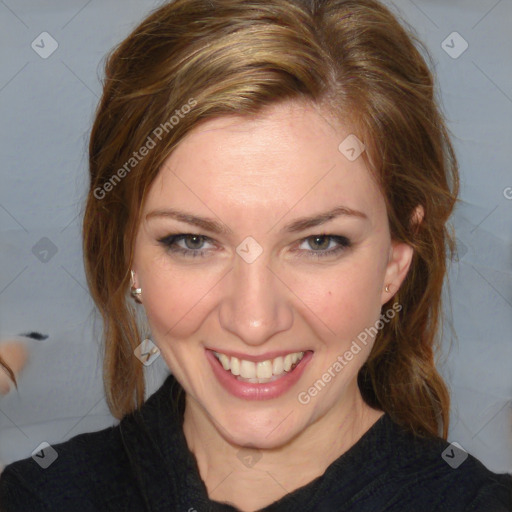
{"points": [[352, 57]]}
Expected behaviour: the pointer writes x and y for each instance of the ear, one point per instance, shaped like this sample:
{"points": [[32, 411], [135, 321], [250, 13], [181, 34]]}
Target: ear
{"points": [[400, 258]]}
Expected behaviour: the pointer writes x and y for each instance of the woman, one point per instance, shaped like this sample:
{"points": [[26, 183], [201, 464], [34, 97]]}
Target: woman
{"points": [[270, 186]]}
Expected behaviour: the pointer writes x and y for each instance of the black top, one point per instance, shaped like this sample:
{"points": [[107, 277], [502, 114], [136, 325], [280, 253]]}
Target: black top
{"points": [[144, 464]]}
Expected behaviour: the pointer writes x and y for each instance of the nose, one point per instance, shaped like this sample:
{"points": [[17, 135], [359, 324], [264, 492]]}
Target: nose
{"points": [[255, 304]]}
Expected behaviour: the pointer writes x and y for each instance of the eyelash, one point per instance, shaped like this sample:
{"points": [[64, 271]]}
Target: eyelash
{"points": [[169, 242]]}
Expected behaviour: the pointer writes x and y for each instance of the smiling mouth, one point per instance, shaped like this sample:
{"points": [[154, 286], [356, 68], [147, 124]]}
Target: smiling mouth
{"points": [[260, 372]]}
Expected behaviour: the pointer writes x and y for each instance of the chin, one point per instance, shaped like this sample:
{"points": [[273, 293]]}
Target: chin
{"points": [[259, 429]]}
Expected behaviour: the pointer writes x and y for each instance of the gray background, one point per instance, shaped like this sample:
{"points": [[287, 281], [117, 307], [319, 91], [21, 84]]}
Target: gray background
{"points": [[46, 108]]}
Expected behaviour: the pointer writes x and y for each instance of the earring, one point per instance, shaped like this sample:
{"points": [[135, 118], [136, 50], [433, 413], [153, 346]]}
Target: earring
{"points": [[135, 292], [387, 288]]}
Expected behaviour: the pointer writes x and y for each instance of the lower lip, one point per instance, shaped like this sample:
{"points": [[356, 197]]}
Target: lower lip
{"points": [[249, 391]]}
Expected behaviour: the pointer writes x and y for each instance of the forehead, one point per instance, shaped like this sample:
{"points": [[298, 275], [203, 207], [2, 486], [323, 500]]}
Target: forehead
{"points": [[286, 157]]}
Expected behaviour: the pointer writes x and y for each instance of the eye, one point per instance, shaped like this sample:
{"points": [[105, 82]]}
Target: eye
{"points": [[192, 245], [320, 246]]}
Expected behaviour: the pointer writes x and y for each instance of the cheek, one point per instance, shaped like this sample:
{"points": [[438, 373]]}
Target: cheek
{"points": [[344, 300], [340, 300], [175, 297]]}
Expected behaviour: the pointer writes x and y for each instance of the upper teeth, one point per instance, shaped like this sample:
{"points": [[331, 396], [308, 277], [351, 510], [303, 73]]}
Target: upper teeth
{"points": [[260, 370]]}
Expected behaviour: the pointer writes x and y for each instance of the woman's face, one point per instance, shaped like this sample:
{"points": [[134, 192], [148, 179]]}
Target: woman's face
{"points": [[263, 241]]}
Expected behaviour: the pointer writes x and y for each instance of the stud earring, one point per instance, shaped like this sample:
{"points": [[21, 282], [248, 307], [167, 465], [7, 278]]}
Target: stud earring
{"points": [[387, 288], [135, 292]]}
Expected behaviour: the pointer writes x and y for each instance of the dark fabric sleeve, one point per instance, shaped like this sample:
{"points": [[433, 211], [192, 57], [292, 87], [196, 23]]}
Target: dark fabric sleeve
{"points": [[16, 495], [495, 497], [67, 485], [25, 487]]}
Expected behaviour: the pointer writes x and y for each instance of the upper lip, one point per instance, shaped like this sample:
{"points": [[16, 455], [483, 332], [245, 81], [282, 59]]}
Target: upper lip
{"points": [[262, 357]]}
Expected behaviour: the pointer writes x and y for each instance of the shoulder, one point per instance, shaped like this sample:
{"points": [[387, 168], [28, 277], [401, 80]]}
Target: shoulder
{"points": [[443, 476], [83, 468], [93, 471]]}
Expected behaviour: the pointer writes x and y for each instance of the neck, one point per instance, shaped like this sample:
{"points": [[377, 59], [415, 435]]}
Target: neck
{"points": [[251, 479]]}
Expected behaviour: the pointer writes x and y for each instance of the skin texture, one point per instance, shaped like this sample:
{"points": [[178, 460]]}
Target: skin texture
{"points": [[255, 175], [15, 355]]}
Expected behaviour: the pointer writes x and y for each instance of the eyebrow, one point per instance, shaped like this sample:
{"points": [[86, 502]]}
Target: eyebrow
{"points": [[293, 227]]}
